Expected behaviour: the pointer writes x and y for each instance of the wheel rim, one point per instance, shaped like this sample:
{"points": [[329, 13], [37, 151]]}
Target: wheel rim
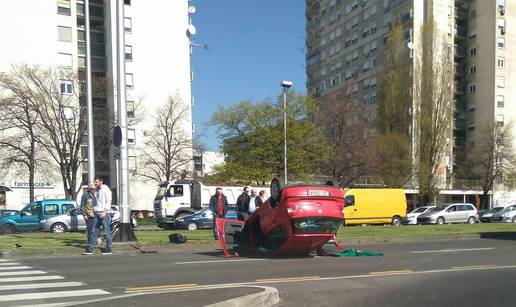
{"points": [[471, 220], [395, 222], [440, 221], [58, 228], [8, 229], [192, 226]]}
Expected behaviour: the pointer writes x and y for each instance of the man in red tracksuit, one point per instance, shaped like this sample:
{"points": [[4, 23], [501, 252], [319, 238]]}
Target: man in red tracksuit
{"points": [[219, 207]]}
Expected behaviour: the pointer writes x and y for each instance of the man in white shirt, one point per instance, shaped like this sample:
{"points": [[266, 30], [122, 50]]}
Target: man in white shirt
{"points": [[254, 202], [102, 217]]}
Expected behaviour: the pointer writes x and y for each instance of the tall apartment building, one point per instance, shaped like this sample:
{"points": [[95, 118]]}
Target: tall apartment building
{"points": [[345, 39], [157, 56]]}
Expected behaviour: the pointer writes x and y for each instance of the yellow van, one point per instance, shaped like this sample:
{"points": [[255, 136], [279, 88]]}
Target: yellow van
{"points": [[374, 206]]}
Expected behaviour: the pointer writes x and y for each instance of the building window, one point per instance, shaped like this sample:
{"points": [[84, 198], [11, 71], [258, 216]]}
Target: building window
{"points": [[131, 136], [472, 88], [65, 59], [66, 87], [473, 51], [132, 163], [499, 120], [129, 81], [473, 69], [501, 42], [500, 101], [130, 108], [64, 34], [128, 24], [63, 8], [500, 81], [127, 2], [501, 62], [128, 53]]}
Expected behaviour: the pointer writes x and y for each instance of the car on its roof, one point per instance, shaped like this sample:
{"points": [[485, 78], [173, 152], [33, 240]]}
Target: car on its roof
{"points": [[296, 219]]}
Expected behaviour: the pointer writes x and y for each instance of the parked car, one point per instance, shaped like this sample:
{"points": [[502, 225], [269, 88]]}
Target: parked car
{"points": [[74, 221], [202, 219], [412, 216], [375, 206], [29, 217], [450, 213], [8, 212], [506, 215], [486, 216]]}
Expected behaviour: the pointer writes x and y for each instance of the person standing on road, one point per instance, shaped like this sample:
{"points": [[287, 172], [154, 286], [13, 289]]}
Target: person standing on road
{"points": [[253, 202], [219, 207], [102, 217], [88, 201], [262, 195], [242, 200]]}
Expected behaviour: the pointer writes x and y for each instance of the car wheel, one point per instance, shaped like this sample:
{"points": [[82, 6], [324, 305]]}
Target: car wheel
{"points": [[471, 220], [440, 220], [8, 229], [58, 228], [192, 226], [514, 219], [396, 221], [276, 186]]}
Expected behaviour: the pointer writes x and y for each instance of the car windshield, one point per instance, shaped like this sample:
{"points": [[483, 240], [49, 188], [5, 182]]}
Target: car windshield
{"points": [[312, 225], [419, 210], [510, 208], [161, 191], [438, 208]]}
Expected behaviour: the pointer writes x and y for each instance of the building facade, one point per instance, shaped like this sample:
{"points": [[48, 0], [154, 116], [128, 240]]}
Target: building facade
{"points": [[345, 40], [50, 33]]}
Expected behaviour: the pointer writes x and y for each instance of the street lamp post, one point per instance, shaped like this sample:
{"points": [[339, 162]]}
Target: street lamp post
{"points": [[285, 84]]}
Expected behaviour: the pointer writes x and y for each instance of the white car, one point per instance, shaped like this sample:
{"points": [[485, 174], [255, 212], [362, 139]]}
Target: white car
{"points": [[412, 216], [506, 215]]}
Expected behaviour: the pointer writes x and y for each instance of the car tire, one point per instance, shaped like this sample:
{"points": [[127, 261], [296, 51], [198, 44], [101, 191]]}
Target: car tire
{"points": [[514, 219], [276, 186], [192, 226], [471, 220], [440, 220], [8, 229], [58, 228], [396, 221]]}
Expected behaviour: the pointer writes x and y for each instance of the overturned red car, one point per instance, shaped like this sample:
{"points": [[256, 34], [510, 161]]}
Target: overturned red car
{"points": [[296, 219]]}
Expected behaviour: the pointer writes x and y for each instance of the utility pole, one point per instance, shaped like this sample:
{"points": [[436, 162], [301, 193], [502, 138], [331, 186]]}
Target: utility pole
{"points": [[285, 84], [89, 104]]}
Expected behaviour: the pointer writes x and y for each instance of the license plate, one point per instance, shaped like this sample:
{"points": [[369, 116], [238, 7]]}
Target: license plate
{"points": [[318, 193]]}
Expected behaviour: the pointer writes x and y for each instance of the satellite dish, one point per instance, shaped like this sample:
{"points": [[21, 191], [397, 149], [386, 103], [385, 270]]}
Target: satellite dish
{"points": [[192, 9], [190, 30], [410, 45]]}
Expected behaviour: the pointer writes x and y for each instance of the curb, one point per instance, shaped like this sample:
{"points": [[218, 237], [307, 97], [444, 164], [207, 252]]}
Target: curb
{"points": [[268, 297]]}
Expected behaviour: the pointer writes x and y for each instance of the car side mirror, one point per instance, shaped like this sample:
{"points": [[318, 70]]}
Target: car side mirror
{"points": [[349, 202]]}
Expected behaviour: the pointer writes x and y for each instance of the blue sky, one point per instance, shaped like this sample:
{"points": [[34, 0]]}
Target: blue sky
{"points": [[252, 46]]}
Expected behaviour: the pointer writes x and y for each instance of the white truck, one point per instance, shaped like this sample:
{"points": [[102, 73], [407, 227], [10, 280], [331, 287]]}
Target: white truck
{"points": [[183, 197]]}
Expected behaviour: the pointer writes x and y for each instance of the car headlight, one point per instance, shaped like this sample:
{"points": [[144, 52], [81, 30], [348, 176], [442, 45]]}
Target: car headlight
{"points": [[506, 215], [181, 220]]}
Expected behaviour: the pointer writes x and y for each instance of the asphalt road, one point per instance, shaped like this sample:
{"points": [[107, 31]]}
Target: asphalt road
{"points": [[468, 272]]}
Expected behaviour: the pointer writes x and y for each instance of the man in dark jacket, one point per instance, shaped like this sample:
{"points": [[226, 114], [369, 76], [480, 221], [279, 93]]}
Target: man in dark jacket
{"points": [[242, 200], [219, 207]]}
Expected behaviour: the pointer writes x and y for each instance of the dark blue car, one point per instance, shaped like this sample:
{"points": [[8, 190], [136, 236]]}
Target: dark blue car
{"points": [[202, 219]]}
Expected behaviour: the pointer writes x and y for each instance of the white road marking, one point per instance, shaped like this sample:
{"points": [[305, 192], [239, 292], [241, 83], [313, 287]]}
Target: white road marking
{"points": [[42, 286], [215, 261], [452, 250], [46, 295], [35, 272], [4, 260], [10, 268], [31, 278], [8, 263]]}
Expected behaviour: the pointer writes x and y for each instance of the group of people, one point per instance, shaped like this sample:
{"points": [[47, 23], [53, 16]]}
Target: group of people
{"points": [[246, 203], [96, 209]]}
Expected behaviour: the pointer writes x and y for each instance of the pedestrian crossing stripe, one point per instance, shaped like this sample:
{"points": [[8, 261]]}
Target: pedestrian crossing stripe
{"points": [[55, 294], [15, 273], [42, 286], [31, 278]]}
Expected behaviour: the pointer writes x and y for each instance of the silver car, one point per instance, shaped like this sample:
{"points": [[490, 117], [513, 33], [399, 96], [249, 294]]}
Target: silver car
{"points": [[74, 221], [450, 213]]}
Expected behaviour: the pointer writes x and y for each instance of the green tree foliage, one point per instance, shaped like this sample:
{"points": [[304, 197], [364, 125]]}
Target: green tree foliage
{"points": [[252, 136], [393, 120]]}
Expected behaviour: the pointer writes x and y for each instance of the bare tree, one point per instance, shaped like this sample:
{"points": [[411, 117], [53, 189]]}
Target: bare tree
{"points": [[54, 97], [491, 159], [168, 149], [433, 95]]}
